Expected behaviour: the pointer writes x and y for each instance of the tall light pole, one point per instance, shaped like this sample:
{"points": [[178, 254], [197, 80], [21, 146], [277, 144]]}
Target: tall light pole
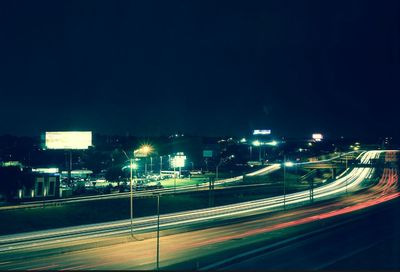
{"points": [[131, 194], [131, 166], [251, 152], [285, 164], [145, 167], [174, 181], [158, 231], [160, 164], [284, 182]]}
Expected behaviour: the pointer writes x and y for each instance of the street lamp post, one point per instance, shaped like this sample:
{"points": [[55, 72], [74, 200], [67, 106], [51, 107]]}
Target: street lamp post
{"points": [[174, 180], [145, 167], [284, 182], [158, 231], [160, 164], [131, 166], [131, 194]]}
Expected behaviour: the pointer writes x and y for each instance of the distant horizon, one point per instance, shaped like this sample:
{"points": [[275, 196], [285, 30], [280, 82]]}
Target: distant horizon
{"points": [[210, 136]]}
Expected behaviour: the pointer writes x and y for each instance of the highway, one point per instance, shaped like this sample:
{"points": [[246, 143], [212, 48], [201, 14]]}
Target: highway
{"points": [[348, 181], [138, 194], [59, 238], [181, 189], [205, 247]]}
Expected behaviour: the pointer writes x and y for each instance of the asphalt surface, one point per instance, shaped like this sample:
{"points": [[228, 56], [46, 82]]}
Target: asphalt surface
{"points": [[107, 246], [372, 241]]}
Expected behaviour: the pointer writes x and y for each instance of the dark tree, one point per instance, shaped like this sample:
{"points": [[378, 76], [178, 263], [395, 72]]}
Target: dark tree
{"points": [[114, 174], [10, 181]]}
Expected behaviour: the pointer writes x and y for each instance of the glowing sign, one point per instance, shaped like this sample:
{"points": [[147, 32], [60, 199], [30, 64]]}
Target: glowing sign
{"points": [[52, 170], [262, 132], [317, 137], [68, 140], [178, 160], [207, 153]]}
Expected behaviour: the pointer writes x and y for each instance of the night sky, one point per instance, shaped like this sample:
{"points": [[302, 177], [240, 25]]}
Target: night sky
{"points": [[200, 67]]}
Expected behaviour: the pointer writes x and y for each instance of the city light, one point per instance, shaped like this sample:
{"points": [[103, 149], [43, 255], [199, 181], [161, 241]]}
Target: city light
{"points": [[262, 132], [317, 137], [143, 151], [134, 166], [273, 143], [178, 160], [146, 149], [289, 164], [256, 143]]}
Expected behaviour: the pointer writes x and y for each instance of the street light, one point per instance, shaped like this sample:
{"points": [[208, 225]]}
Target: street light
{"points": [[160, 164], [285, 164], [143, 151], [158, 232], [131, 167]]}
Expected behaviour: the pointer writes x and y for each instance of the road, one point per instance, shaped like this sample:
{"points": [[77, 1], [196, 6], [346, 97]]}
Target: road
{"points": [[348, 182], [371, 242], [139, 194], [180, 243], [181, 189]]}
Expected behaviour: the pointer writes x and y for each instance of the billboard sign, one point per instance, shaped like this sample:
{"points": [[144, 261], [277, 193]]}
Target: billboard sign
{"points": [[68, 140], [207, 153], [317, 137], [178, 160], [262, 132]]}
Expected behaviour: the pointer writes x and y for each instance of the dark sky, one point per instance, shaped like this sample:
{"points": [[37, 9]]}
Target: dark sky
{"points": [[200, 67]]}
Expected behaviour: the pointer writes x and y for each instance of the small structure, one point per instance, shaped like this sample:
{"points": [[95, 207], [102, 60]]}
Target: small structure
{"points": [[46, 185]]}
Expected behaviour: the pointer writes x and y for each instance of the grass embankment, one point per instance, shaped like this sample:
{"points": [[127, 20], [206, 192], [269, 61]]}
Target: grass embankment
{"points": [[21, 220], [170, 183]]}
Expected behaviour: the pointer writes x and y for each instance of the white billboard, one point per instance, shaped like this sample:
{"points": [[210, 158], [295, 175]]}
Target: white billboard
{"points": [[317, 137], [68, 139], [262, 132], [178, 160]]}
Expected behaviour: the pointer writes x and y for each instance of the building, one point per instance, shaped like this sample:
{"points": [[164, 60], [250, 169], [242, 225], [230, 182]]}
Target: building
{"points": [[46, 185]]}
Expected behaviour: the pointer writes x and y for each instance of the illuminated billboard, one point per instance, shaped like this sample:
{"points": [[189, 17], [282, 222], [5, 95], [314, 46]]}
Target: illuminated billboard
{"points": [[317, 137], [262, 132], [178, 160], [68, 140]]}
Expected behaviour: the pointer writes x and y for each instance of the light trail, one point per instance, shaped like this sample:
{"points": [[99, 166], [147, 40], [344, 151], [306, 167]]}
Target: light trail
{"points": [[181, 189], [185, 246], [352, 179]]}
